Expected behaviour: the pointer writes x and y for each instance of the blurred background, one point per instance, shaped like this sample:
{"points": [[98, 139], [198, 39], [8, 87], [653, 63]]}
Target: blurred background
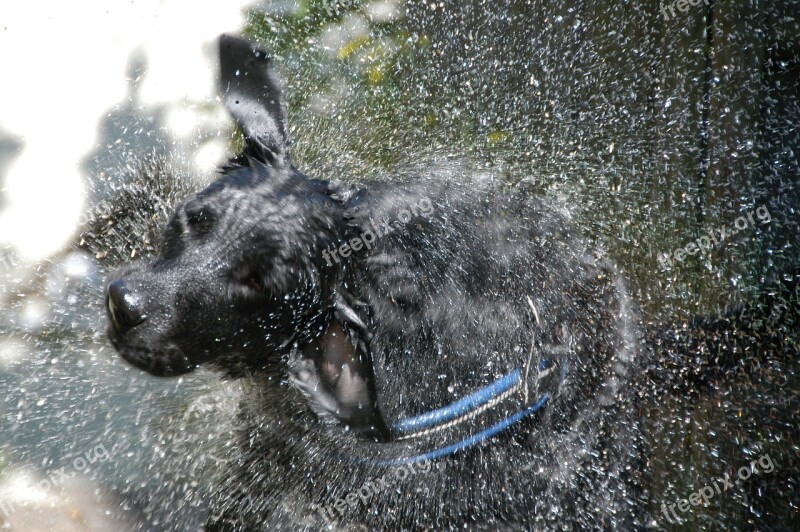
{"points": [[653, 123]]}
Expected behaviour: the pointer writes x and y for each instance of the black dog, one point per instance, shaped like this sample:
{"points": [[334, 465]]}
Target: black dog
{"points": [[425, 354]]}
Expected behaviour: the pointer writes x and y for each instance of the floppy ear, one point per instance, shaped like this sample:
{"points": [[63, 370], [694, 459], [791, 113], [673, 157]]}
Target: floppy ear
{"points": [[252, 94]]}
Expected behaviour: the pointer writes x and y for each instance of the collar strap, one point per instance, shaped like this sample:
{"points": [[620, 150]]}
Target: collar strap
{"points": [[472, 440], [467, 408], [463, 409]]}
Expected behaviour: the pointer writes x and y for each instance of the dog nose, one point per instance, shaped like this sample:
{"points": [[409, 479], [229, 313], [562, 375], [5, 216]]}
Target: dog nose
{"points": [[124, 306]]}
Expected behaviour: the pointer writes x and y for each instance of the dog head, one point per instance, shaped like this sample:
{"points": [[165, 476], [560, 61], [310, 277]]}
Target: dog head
{"points": [[239, 274]]}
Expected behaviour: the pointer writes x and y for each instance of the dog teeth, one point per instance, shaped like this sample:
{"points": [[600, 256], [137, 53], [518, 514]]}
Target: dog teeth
{"points": [[112, 312]]}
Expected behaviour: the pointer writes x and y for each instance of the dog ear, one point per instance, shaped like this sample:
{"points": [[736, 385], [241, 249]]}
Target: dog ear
{"points": [[252, 94]]}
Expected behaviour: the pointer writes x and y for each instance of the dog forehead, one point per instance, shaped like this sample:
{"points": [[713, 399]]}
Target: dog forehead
{"points": [[240, 188], [239, 180], [269, 212]]}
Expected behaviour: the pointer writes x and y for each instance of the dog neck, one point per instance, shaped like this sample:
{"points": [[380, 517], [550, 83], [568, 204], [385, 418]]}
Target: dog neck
{"points": [[334, 371]]}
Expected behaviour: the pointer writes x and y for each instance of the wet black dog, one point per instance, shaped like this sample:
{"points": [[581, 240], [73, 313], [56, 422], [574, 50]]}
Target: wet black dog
{"points": [[439, 324], [424, 354]]}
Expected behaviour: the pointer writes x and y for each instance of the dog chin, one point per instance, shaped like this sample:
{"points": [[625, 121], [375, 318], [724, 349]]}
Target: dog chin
{"points": [[169, 361]]}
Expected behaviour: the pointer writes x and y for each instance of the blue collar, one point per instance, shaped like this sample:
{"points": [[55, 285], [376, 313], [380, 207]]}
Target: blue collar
{"points": [[469, 407]]}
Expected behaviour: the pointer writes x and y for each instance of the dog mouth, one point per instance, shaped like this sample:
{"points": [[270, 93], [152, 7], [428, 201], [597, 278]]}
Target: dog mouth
{"points": [[166, 361]]}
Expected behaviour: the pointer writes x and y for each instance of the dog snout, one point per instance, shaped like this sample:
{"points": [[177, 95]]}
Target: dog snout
{"points": [[125, 307]]}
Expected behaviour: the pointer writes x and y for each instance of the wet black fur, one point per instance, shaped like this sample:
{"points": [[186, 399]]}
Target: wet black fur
{"points": [[485, 281]]}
